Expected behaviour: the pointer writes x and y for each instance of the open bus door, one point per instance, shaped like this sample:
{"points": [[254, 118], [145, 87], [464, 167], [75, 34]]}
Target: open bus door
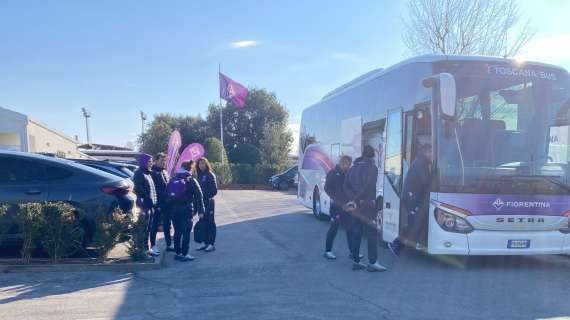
{"points": [[392, 176]]}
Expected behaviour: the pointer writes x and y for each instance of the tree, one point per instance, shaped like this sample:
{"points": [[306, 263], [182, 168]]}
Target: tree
{"points": [[276, 143], [246, 125], [213, 147], [155, 139], [245, 153], [484, 27]]}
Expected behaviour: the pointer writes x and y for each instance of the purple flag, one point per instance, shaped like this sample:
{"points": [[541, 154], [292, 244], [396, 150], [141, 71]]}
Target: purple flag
{"points": [[174, 144], [194, 152], [232, 91]]}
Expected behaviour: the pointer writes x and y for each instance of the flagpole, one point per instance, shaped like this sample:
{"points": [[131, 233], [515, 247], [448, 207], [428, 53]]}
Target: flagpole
{"points": [[221, 117]]}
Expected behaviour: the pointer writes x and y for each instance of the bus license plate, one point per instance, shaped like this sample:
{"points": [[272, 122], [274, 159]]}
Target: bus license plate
{"points": [[518, 244]]}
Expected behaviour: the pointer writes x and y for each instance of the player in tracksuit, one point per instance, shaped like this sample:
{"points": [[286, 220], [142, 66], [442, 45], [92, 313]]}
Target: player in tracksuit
{"points": [[160, 179], [415, 202], [147, 201], [334, 187], [360, 188]]}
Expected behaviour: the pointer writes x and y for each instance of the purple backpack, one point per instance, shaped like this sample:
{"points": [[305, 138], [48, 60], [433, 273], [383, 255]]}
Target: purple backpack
{"points": [[176, 189]]}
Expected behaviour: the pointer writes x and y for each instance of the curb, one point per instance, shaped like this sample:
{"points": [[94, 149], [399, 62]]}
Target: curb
{"points": [[154, 264]]}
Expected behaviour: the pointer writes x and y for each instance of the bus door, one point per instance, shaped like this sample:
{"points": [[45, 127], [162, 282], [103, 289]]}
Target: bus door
{"points": [[392, 175]]}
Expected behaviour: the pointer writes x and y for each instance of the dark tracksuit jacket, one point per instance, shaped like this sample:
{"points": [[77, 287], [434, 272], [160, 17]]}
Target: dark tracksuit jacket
{"points": [[360, 187], [209, 187], [415, 198], [416, 184], [334, 187], [360, 183], [147, 201], [145, 189], [160, 179]]}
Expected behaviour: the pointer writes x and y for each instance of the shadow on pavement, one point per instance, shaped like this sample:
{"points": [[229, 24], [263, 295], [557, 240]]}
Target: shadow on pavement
{"points": [[269, 265], [26, 286], [272, 268]]}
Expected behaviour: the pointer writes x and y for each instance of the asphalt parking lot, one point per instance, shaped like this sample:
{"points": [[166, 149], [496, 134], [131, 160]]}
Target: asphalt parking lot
{"points": [[269, 265]]}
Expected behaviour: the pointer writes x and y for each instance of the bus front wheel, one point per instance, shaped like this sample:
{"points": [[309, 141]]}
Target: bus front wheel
{"points": [[317, 210]]}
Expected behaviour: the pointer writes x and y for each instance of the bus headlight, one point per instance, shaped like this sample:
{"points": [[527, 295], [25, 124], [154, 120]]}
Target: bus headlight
{"points": [[567, 229], [451, 222]]}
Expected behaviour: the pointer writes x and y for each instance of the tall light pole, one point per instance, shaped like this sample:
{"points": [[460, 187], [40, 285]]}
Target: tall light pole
{"points": [[87, 115], [143, 118]]}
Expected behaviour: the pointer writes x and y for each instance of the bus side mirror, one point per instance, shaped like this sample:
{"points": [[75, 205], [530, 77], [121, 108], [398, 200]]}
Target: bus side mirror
{"points": [[445, 82]]}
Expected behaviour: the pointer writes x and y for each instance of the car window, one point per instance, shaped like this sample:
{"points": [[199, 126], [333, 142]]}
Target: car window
{"points": [[57, 173], [111, 170], [18, 171]]}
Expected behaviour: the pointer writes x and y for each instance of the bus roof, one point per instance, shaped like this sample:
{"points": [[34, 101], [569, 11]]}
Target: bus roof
{"points": [[374, 74]]}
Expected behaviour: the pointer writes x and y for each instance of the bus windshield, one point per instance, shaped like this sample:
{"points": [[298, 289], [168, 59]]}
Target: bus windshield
{"points": [[510, 135]]}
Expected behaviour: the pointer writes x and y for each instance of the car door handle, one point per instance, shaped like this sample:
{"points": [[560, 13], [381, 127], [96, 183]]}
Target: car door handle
{"points": [[388, 205], [34, 191]]}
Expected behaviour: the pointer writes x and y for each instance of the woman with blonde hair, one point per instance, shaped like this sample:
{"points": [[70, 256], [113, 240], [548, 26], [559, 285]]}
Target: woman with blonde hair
{"points": [[207, 180]]}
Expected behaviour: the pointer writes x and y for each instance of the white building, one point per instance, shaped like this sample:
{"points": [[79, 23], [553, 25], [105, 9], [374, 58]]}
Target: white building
{"points": [[18, 132]]}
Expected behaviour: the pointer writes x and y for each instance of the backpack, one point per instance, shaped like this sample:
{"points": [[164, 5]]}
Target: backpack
{"points": [[176, 189]]}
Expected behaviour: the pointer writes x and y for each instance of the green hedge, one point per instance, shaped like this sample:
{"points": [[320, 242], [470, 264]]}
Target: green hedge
{"points": [[223, 173]]}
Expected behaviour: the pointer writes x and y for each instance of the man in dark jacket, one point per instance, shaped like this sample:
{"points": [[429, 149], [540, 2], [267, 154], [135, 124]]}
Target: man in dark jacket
{"points": [[334, 184], [360, 188], [160, 178], [147, 200], [415, 200], [183, 207]]}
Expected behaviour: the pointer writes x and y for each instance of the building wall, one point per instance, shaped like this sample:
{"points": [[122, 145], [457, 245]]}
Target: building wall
{"points": [[42, 139], [13, 130]]}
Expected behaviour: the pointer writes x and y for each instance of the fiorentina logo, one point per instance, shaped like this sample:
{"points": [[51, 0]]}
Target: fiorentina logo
{"points": [[498, 204], [231, 91]]}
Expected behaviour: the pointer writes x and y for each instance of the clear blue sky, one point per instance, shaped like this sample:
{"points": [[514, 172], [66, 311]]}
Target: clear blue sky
{"points": [[118, 57]]}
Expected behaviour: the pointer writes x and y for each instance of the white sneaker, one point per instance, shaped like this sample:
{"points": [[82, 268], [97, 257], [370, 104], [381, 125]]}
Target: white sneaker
{"points": [[376, 267], [210, 248], [329, 255], [202, 247], [155, 249], [187, 257], [153, 252]]}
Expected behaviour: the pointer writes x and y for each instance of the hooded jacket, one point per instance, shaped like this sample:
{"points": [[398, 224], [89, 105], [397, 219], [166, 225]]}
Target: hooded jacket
{"points": [[208, 183], [194, 197], [160, 179], [417, 183], [334, 186], [144, 185], [360, 181]]}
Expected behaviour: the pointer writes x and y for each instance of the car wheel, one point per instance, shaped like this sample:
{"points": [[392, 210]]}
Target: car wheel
{"points": [[283, 186], [317, 209]]}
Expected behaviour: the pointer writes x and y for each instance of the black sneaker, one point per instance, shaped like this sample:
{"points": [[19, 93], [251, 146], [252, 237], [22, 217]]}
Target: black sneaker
{"points": [[358, 266], [351, 257], [394, 248]]}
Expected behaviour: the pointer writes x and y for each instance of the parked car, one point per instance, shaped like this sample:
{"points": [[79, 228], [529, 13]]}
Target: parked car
{"points": [[285, 180], [26, 177], [119, 169]]}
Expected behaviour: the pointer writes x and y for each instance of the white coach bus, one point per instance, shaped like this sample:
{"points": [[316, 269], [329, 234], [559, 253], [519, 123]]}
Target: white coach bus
{"points": [[499, 130]]}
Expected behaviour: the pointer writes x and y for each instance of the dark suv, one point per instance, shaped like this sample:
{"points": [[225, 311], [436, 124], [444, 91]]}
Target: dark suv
{"points": [[285, 180], [26, 177]]}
